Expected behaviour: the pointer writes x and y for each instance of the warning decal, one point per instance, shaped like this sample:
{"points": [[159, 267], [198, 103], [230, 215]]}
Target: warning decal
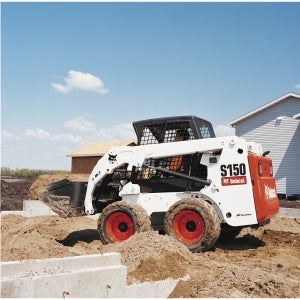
{"points": [[234, 180]]}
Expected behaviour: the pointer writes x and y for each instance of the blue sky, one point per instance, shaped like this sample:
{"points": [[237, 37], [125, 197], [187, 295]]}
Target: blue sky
{"points": [[74, 73]]}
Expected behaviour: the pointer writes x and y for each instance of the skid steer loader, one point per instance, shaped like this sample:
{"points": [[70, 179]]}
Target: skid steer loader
{"points": [[179, 179]]}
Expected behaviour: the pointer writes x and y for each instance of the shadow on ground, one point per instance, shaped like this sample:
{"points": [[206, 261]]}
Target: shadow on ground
{"points": [[245, 242], [87, 236]]}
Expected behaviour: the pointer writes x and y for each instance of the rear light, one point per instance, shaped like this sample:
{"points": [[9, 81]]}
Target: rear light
{"points": [[271, 170], [265, 169], [259, 169]]}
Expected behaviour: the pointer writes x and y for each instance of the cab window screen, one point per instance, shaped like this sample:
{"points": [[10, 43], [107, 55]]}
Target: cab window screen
{"points": [[205, 131]]}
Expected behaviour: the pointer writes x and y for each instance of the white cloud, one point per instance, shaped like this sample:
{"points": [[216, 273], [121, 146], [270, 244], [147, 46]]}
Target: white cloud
{"points": [[60, 88], [5, 135], [118, 132], [65, 149], [81, 81], [37, 133], [92, 134], [80, 124], [45, 135], [76, 139], [123, 131], [297, 86], [222, 130], [42, 148], [86, 132]]}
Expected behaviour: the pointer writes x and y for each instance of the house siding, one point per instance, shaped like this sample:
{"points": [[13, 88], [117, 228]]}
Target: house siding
{"points": [[281, 137]]}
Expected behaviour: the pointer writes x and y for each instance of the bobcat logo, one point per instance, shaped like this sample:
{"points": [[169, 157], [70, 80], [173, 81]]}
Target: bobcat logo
{"points": [[270, 192], [112, 158]]}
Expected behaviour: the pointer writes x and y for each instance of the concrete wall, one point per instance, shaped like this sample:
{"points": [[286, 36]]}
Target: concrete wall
{"points": [[32, 208], [91, 276], [100, 276]]}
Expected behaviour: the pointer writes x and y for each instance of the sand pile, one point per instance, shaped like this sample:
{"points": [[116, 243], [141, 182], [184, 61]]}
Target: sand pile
{"points": [[39, 186], [258, 263], [13, 192]]}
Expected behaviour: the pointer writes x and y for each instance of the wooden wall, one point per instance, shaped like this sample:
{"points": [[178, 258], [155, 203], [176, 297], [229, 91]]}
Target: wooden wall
{"points": [[84, 165]]}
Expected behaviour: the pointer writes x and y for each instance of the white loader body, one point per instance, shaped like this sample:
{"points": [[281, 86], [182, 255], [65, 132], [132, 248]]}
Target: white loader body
{"points": [[229, 189]]}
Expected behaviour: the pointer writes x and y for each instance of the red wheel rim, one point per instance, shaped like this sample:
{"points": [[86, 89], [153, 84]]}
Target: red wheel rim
{"points": [[188, 226], [119, 226]]}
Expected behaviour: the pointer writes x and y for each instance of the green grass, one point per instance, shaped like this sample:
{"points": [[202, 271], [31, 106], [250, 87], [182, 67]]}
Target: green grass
{"points": [[28, 173]]}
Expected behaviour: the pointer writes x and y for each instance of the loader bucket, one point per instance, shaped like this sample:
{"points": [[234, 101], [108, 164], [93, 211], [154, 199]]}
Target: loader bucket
{"points": [[66, 198]]}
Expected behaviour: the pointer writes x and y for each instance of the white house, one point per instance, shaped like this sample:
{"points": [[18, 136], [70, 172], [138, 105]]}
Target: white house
{"points": [[275, 125]]}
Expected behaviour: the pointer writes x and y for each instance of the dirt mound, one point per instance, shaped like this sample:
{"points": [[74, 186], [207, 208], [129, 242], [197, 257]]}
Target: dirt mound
{"points": [[44, 237], [59, 204], [258, 263], [150, 256], [39, 186], [14, 192], [289, 203]]}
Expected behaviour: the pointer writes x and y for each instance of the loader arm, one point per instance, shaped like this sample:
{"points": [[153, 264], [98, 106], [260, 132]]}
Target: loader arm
{"points": [[114, 158], [136, 156], [177, 174]]}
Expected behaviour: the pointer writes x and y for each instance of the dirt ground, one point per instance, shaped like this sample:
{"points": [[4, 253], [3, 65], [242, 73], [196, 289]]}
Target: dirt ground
{"points": [[13, 192], [258, 263]]}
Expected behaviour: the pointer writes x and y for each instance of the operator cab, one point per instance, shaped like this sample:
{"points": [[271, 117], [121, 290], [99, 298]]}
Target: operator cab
{"points": [[166, 130], [163, 130]]}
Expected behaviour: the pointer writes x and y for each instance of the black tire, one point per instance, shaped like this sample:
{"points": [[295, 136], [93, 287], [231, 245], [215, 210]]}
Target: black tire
{"points": [[193, 222], [120, 220]]}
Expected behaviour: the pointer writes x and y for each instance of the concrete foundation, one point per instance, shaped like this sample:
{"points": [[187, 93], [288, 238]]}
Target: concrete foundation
{"points": [[158, 289], [94, 276], [12, 212], [91, 276], [33, 208], [289, 212]]}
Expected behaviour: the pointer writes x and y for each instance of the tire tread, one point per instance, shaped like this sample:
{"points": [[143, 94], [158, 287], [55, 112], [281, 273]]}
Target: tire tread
{"points": [[211, 219], [138, 214]]}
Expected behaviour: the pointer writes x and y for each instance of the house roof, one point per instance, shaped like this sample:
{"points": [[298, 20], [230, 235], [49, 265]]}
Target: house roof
{"points": [[99, 148], [296, 116], [266, 106]]}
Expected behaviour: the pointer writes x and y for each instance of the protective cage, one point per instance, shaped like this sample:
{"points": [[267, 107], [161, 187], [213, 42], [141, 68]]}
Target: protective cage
{"points": [[163, 130], [166, 130]]}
